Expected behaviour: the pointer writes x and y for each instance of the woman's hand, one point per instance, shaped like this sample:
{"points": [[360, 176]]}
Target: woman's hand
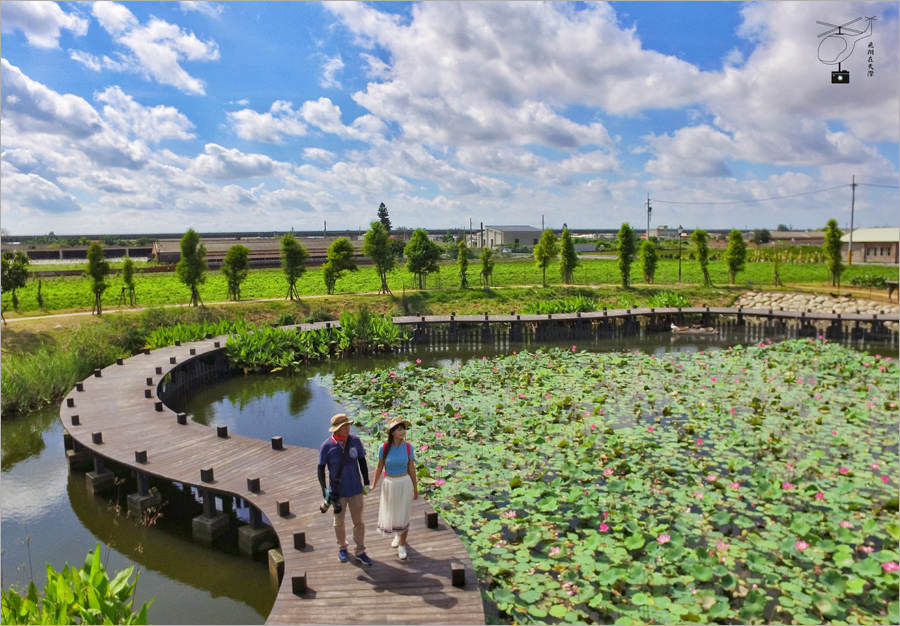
{"points": [[416, 493]]}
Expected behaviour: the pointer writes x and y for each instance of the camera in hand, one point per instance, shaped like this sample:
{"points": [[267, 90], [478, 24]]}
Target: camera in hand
{"points": [[331, 499]]}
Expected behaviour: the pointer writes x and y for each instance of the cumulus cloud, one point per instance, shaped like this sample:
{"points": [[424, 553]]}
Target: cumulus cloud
{"points": [[152, 124], [30, 192], [228, 164], [694, 151], [269, 127], [41, 22], [156, 49]]}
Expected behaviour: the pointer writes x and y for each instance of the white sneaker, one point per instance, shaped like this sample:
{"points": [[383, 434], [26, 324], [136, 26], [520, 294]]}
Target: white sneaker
{"points": [[402, 552], [396, 541]]}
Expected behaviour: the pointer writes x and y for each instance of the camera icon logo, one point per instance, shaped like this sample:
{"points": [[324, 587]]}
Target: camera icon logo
{"points": [[840, 78]]}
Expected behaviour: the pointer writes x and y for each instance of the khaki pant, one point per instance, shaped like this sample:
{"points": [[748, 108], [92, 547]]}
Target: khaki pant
{"points": [[355, 504]]}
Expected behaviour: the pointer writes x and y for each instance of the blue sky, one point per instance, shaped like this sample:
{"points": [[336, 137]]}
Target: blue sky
{"points": [[160, 116]]}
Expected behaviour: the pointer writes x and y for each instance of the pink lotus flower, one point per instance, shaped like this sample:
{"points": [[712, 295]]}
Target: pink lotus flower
{"points": [[605, 514], [732, 411], [801, 545], [423, 403], [699, 442], [874, 466], [890, 566], [522, 395], [438, 434], [698, 495], [721, 545], [456, 415], [711, 478], [649, 429], [787, 485], [713, 379], [884, 479], [604, 528], [484, 358], [418, 360], [735, 485], [439, 482], [663, 539], [423, 447], [451, 382], [846, 524], [574, 348], [608, 471], [833, 432], [509, 514], [554, 550], [494, 370], [820, 496], [384, 414]]}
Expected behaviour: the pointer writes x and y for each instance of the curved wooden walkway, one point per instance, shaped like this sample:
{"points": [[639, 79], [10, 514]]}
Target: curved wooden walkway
{"points": [[419, 590]]}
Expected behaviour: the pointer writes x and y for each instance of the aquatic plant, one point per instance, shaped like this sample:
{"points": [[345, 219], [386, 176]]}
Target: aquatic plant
{"points": [[752, 485]]}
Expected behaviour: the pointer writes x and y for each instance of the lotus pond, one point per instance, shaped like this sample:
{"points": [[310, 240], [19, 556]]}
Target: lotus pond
{"points": [[755, 484]]}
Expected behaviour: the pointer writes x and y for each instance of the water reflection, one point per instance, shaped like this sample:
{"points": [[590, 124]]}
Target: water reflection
{"points": [[23, 438]]}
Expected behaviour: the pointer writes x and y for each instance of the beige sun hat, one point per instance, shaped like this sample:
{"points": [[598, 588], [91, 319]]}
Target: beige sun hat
{"points": [[339, 420], [396, 421]]}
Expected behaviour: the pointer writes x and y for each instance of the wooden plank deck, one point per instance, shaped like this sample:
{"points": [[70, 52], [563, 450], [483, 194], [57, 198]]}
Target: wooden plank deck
{"points": [[416, 591]]}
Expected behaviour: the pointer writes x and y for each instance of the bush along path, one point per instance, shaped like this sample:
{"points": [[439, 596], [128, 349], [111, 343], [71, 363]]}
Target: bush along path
{"points": [[749, 485]]}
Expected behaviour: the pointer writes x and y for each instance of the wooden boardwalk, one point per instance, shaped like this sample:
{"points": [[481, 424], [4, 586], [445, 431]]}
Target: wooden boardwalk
{"points": [[114, 409]]}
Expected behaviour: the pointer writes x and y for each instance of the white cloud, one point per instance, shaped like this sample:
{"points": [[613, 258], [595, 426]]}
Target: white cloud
{"points": [[30, 193], [228, 164], [210, 9], [268, 127], [157, 48], [693, 151], [41, 22], [152, 124], [332, 66], [319, 154]]}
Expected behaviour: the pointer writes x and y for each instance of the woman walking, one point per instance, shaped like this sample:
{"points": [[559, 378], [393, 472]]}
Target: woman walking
{"points": [[396, 463]]}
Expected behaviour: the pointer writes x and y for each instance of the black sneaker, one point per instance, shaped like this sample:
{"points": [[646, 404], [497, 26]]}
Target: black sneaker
{"points": [[363, 558]]}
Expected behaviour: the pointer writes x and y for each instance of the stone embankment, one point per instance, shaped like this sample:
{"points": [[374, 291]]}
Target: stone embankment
{"points": [[817, 302]]}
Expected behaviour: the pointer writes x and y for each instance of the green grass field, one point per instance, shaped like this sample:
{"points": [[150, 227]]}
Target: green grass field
{"points": [[73, 292]]}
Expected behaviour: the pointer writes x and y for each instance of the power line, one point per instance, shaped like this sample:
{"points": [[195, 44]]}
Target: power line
{"points": [[874, 185], [793, 195]]}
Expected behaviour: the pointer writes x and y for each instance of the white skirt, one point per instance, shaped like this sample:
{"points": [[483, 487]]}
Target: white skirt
{"points": [[396, 500]]}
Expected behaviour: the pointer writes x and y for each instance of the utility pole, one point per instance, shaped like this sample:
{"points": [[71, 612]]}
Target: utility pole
{"points": [[542, 222], [649, 209], [852, 204]]}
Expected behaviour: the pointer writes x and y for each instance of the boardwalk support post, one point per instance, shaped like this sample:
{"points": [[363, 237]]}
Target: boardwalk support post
{"points": [[458, 574], [101, 478], [211, 524], [143, 500], [255, 536]]}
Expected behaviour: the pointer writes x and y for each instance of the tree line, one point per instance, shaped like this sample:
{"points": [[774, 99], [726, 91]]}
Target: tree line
{"points": [[421, 255]]}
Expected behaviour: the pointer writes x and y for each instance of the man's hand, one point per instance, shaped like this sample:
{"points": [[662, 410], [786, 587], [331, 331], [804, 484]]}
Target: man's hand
{"points": [[326, 494]]}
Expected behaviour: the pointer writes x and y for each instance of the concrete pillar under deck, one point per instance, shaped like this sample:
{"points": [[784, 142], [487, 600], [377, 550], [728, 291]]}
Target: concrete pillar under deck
{"points": [[206, 528], [138, 503], [98, 482], [79, 461], [252, 540]]}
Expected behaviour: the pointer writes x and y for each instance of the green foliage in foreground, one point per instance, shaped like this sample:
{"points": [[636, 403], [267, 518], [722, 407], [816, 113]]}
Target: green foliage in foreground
{"points": [[633, 488], [267, 349], [168, 335], [77, 596], [582, 304]]}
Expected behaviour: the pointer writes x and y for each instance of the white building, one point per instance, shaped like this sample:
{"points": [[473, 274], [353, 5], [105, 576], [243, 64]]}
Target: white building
{"points": [[497, 236], [873, 245]]}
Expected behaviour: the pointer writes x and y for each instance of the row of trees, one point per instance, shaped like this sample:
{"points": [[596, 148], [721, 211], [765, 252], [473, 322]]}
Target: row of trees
{"points": [[421, 253]]}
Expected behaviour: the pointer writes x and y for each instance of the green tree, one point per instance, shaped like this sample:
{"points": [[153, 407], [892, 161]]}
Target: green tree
{"points": [[15, 274], [462, 262], [649, 258], [377, 246], [383, 217], [568, 258], [191, 269], [77, 596], [236, 267], [128, 279], [97, 271], [782, 228], [735, 254], [700, 239], [545, 251], [833, 245], [339, 260], [40, 296], [422, 256], [293, 262], [487, 266], [761, 236], [626, 248]]}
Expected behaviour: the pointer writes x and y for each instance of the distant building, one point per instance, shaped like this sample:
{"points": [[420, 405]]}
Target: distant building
{"points": [[796, 237], [664, 233], [873, 245], [497, 236]]}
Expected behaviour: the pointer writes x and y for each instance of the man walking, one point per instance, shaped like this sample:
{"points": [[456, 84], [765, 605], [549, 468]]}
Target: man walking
{"points": [[345, 457]]}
